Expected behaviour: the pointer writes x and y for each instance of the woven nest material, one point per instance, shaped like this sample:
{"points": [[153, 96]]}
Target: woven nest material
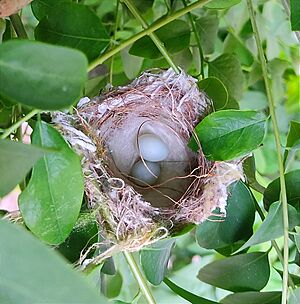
{"points": [[105, 131]]}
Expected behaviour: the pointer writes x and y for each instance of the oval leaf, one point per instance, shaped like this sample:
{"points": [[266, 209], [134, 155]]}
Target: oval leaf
{"points": [[221, 4], [237, 225], [252, 297], [229, 134], [228, 69], [33, 273], [41, 76], [244, 272], [154, 260], [272, 226], [214, 89], [41, 8], [16, 159], [73, 25], [170, 34], [51, 202], [192, 298], [292, 181]]}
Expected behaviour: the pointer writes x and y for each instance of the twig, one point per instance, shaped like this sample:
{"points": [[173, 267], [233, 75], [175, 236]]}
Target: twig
{"points": [[146, 32], [279, 153], [139, 277], [197, 36], [153, 36], [15, 126], [18, 26]]}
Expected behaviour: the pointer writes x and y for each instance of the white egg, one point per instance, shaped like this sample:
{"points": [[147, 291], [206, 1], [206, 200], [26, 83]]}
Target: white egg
{"points": [[152, 148], [145, 175]]}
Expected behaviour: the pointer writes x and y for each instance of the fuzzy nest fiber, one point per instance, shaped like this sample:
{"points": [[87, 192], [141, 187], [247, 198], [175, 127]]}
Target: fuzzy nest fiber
{"points": [[104, 131]]}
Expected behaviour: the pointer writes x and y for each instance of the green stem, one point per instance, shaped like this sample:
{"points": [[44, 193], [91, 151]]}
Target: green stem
{"points": [[139, 277], [197, 36], [146, 32], [279, 153], [153, 36], [18, 26], [15, 126]]}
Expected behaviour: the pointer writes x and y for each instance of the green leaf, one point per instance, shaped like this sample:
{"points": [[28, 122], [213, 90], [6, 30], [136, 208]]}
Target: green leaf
{"points": [[154, 260], [170, 34], [33, 273], [297, 238], [190, 297], [229, 134], [222, 4], [237, 225], [76, 26], [51, 202], [228, 69], [16, 159], [111, 284], [293, 139], [272, 226], [252, 297], [207, 27], [244, 272], [295, 15], [215, 90], [41, 76], [292, 181], [41, 8]]}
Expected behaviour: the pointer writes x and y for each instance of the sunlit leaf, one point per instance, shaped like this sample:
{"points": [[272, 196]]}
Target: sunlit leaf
{"points": [[39, 75], [244, 272], [229, 134], [16, 159], [51, 202], [154, 260], [73, 25], [33, 273], [221, 4]]}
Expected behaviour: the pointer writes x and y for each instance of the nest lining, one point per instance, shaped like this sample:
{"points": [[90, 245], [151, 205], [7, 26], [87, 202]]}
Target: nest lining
{"points": [[105, 129]]}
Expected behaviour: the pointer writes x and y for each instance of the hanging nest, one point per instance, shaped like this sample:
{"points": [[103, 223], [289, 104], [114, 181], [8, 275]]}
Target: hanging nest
{"points": [[106, 130]]}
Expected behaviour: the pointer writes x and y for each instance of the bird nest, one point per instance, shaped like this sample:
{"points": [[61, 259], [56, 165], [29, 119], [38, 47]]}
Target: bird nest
{"points": [[105, 131]]}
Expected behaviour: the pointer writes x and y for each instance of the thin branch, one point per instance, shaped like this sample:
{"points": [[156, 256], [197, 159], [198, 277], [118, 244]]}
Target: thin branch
{"points": [[197, 36], [146, 32], [139, 277], [279, 152], [18, 26], [153, 36], [15, 126]]}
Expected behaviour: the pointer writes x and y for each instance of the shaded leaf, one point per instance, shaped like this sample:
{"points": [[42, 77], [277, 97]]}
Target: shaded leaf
{"points": [[111, 284], [192, 298], [228, 69], [237, 225], [292, 181], [295, 15], [293, 139], [207, 27], [47, 77], [41, 8], [252, 297], [16, 159], [154, 260], [215, 90], [272, 226], [228, 134], [244, 272], [76, 26], [294, 297], [51, 202], [170, 34], [33, 273]]}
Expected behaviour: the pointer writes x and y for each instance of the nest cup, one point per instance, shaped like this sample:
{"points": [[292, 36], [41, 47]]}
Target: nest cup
{"points": [[106, 131]]}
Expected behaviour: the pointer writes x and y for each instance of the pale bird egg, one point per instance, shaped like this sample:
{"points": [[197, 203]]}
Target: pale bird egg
{"points": [[152, 148], [146, 175]]}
